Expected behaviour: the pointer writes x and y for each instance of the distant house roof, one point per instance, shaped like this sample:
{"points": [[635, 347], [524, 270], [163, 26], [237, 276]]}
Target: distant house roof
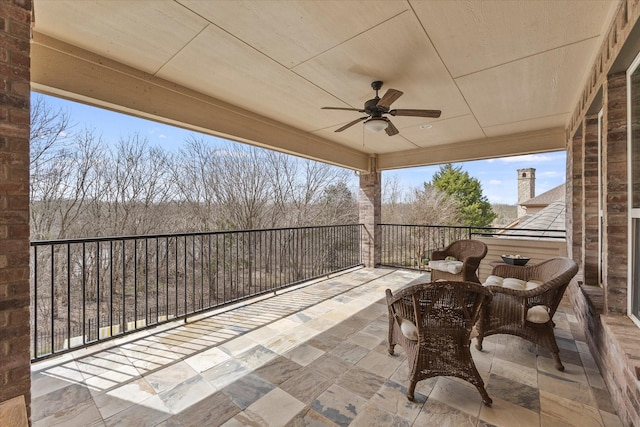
{"points": [[551, 218], [548, 221], [546, 198]]}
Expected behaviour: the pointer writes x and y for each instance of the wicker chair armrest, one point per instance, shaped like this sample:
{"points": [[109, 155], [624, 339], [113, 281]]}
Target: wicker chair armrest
{"points": [[471, 261], [438, 255], [398, 309], [514, 271]]}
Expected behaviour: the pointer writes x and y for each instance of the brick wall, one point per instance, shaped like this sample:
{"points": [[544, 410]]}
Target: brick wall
{"points": [[15, 21], [370, 214]]}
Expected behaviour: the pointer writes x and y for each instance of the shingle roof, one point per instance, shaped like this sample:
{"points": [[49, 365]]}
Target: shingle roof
{"points": [[546, 198], [550, 218]]}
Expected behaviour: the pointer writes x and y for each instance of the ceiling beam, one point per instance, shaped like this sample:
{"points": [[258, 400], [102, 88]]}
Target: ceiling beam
{"points": [[539, 141], [66, 71]]}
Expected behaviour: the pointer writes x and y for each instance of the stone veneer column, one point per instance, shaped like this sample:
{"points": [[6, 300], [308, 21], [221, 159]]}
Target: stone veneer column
{"points": [[369, 202], [15, 379], [574, 201], [615, 197], [590, 218]]}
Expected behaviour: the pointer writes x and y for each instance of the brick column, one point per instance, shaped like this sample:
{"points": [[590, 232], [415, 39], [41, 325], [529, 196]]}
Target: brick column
{"points": [[369, 202], [615, 197], [590, 219], [15, 380]]}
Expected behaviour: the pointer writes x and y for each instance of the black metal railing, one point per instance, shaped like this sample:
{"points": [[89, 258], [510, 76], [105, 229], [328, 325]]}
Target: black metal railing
{"points": [[410, 246], [88, 290]]}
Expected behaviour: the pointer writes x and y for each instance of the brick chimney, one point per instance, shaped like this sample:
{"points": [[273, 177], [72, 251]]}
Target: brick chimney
{"points": [[526, 188]]}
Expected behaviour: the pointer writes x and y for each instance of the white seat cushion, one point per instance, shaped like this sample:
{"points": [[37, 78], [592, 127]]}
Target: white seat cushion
{"points": [[511, 283], [538, 314], [453, 267], [409, 330], [532, 284]]}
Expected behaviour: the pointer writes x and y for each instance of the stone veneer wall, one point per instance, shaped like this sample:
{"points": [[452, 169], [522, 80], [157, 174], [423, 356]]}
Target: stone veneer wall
{"points": [[615, 194], [610, 334], [370, 206], [590, 216], [15, 380], [574, 202]]}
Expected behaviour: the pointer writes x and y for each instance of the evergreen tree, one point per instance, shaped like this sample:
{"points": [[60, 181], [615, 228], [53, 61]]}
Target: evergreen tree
{"points": [[475, 209]]}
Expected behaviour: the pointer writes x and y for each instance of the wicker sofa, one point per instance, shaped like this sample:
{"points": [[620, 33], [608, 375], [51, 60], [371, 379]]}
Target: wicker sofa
{"points": [[525, 300], [433, 322]]}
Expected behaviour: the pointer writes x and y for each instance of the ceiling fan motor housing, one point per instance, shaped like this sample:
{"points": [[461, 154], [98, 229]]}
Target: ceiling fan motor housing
{"points": [[371, 107]]}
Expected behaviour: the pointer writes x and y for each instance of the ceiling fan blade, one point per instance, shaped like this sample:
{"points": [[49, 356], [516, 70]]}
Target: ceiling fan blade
{"points": [[389, 97], [416, 113], [348, 125], [342, 108], [391, 129]]}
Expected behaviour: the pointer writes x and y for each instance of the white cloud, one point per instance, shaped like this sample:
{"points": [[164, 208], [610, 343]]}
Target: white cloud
{"points": [[530, 158], [156, 131], [495, 182]]}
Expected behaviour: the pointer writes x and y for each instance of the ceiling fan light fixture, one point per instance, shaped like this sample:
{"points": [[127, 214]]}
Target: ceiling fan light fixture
{"points": [[376, 124]]}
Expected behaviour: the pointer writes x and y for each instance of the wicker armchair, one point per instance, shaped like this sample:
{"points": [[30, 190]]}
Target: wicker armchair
{"points": [[527, 313], [469, 252], [432, 322]]}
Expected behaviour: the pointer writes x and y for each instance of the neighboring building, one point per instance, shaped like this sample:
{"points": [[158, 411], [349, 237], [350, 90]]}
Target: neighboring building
{"points": [[538, 203], [546, 211], [551, 219]]}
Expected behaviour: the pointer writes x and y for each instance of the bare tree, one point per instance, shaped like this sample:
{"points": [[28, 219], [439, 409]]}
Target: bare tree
{"points": [[242, 187], [300, 190], [419, 206], [48, 131], [137, 183], [392, 197], [194, 171], [428, 205]]}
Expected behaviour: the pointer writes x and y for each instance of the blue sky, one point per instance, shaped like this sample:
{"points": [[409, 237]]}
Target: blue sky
{"points": [[498, 177]]}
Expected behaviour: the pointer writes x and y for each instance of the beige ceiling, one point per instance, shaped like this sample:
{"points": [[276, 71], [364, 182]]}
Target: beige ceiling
{"points": [[506, 74]]}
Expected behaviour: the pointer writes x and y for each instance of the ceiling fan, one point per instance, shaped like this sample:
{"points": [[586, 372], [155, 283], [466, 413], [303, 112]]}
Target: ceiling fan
{"points": [[377, 107]]}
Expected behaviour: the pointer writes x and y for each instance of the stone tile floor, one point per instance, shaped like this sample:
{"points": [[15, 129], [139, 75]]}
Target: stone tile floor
{"points": [[315, 355]]}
